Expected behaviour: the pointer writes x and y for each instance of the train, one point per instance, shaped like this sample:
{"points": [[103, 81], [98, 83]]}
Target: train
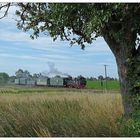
{"points": [[57, 81]]}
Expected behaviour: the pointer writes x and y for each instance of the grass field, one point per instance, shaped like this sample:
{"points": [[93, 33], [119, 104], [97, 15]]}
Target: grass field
{"points": [[58, 112], [111, 84]]}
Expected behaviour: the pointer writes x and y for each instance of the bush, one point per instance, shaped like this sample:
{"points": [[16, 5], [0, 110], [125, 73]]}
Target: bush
{"points": [[130, 127]]}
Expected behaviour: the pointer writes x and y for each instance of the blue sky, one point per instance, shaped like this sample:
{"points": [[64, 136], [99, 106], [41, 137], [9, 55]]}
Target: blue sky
{"points": [[18, 50]]}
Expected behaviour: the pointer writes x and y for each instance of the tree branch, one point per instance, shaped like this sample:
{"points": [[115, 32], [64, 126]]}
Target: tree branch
{"points": [[3, 6], [78, 32]]}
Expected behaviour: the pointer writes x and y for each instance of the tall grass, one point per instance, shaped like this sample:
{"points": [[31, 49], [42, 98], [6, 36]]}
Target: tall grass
{"points": [[67, 114]]}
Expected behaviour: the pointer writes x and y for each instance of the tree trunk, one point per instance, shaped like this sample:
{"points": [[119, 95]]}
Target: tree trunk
{"points": [[121, 57], [121, 53]]}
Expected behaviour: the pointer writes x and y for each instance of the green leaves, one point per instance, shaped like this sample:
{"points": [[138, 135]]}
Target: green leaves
{"points": [[133, 78], [80, 20]]}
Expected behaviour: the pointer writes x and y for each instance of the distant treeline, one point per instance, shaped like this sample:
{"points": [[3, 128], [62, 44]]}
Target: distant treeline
{"points": [[100, 77]]}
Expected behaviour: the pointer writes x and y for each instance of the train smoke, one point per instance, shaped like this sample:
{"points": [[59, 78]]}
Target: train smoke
{"points": [[53, 71]]}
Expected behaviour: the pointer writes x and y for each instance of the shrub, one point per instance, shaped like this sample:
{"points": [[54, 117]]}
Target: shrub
{"points": [[130, 126]]}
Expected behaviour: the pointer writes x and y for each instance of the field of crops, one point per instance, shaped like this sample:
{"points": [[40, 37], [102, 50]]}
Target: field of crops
{"points": [[58, 112]]}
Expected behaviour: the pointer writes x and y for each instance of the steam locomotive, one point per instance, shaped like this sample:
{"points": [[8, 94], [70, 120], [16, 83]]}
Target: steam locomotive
{"points": [[57, 81]]}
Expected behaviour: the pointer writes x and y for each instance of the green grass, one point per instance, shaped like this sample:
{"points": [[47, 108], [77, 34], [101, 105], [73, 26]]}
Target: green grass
{"points": [[52, 112], [96, 84]]}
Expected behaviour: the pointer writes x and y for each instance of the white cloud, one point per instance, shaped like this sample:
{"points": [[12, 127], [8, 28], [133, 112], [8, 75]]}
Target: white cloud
{"points": [[45, 43], [56, 56], [14, 36], [44, 58], [98, 46]]}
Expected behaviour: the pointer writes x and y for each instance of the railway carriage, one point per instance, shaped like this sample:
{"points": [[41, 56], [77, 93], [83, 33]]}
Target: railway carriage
{"points": [[21, 81], [31, 82], [57, 81], [17, 82], [43, 81]]}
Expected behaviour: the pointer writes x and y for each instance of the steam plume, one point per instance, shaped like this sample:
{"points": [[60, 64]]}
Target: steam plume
{"points": [[53, 71]]}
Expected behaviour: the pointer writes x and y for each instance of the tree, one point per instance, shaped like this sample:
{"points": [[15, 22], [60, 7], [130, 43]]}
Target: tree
{"points": [[100, 77], [19, 73], [6, 7], [23, 74], [26, 74], [4, 77], [35, 76], [117, 23]]}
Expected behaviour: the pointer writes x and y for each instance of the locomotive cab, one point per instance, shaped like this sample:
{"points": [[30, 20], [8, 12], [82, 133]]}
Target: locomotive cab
{"points": [[80, 82]]}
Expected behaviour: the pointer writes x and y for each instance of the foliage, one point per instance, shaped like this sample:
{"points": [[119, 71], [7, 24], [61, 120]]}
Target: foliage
{"points": [[19, 73], [4, 7], [22, 74], [88, 21], [100, 77], [130, 127], [133, 77], [4, 77]]}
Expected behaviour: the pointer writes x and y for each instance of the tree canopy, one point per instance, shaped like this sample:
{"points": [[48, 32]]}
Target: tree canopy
{"points": [[22, 74], [88, 21], [4, 77]]}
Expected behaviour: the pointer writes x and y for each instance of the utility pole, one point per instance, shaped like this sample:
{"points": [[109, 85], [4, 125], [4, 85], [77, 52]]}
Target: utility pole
{"points": [[105, 76]]}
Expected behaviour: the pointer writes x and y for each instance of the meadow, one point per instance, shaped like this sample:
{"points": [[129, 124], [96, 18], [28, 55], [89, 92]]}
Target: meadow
{"points": [[59, 112], [96, 84]]}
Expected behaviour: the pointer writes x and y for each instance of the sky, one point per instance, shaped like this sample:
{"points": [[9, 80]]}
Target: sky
{"points": [[18, 50]]}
